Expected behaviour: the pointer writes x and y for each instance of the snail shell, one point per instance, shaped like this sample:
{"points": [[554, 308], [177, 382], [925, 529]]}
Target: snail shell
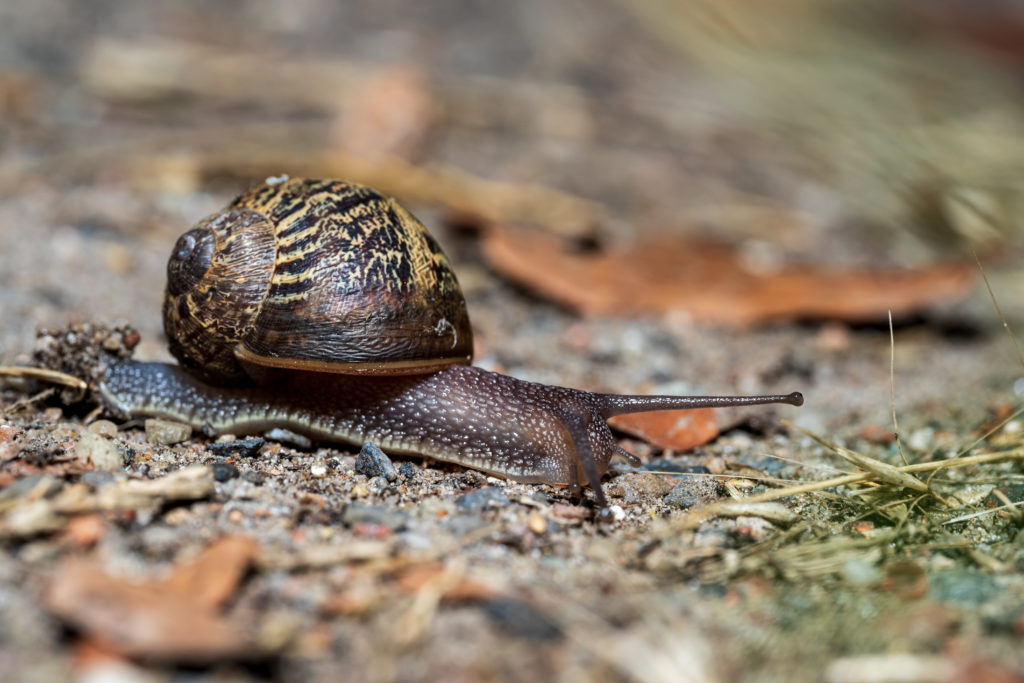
{"points": [[318, 275]]}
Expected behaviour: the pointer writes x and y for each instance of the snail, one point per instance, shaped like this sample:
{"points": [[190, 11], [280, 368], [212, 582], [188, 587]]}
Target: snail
{"points": [[326, 308]]}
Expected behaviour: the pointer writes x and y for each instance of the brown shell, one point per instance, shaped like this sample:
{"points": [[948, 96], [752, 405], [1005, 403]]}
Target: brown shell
{"points": [[353, 283]]}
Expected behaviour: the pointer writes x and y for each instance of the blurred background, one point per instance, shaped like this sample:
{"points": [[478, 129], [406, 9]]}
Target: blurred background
{"points": [[838, 133], [690, 196]]}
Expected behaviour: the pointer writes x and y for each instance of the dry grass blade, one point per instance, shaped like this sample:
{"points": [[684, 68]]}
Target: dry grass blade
{"points": [[44, 375], [892, 390], [698, 515], [882, 471], [27, 401], [992, 295]]}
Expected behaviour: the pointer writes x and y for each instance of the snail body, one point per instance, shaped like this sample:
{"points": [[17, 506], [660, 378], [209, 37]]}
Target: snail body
{"points": [[325, 308]]}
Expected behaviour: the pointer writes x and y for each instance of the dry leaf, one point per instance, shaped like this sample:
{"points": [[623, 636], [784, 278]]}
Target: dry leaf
{"points": [[138, 620], [680, 430], [464, 589], [712, 282], [213, 577], [84, 531]]}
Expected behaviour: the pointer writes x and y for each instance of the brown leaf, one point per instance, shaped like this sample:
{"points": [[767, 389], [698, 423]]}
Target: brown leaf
{"points": [[680, 430], [463, 589], [712, 282], [84, 531], [136, 620], [213, 577]]}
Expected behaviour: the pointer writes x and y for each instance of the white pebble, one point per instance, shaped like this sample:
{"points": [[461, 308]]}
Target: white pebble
{"points": [[318, 470], [97, 451], [166, 432]]}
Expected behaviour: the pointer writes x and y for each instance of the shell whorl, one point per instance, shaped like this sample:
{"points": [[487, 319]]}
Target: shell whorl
{"points": [[217, 279], [355, 284]]}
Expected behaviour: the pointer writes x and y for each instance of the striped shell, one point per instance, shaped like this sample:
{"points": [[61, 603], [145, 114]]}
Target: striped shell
{"points": [[317, 275]]}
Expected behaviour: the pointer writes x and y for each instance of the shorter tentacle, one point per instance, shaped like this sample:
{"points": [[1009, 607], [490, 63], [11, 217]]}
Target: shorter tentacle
{"points": [[580, 434], [629, 457]]}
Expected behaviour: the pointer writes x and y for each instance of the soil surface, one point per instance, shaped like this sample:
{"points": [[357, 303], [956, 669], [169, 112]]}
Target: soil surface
{"points": [[127, 549]]}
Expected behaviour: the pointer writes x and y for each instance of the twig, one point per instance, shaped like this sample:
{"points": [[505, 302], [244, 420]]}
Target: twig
{"points": [[44, 375], [982, 513], [883, 471], [27, 401], [698, 515], [1006, 325], [892, 390]]}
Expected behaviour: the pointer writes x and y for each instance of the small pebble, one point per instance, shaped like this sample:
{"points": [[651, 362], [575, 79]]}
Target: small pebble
{"points": [[689, 492], [408, 470], [36, 485], [617, 513], [382, 515], [482, 498], [222, 471], [537, 523], [246, 448], [318, 470], [97, 451], [97, 479], [522, 619], [859, 572], [373, 462], [166, 432], [921, 440], [253, 477], [103, 428], [288, 437]]}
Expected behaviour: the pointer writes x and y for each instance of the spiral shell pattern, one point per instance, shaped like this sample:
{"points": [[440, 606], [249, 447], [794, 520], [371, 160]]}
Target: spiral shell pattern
{"points": [[356, 285]]}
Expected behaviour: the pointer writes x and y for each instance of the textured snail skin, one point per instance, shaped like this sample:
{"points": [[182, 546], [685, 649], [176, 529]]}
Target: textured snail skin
{"points": [[326, 308], [520, 430]]}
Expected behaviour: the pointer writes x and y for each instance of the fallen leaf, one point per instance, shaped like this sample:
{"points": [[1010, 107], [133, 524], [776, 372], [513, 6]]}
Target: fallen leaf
{"points": [[680, 430], [138, 620], [462, 589], [212, 578], [712, 282], [84, 531]]}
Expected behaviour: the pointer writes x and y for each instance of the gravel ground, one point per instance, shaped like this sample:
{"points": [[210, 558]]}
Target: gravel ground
{"points": [[324, 567]]}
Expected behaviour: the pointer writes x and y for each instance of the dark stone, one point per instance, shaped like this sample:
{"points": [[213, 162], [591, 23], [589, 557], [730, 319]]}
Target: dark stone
{"points": [[253, 477], [373, 462], [521, 619], [97, 478], [674, 467], [247, 448], [222, 471], [408, 470], [482, 498], [692, 491]]}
